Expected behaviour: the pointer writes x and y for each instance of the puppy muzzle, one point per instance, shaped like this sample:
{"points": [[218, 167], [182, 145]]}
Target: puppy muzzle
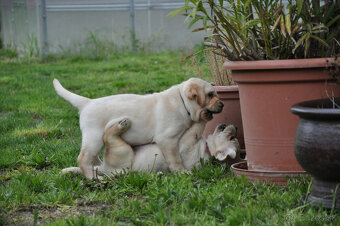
{"points": [[217, 107]]}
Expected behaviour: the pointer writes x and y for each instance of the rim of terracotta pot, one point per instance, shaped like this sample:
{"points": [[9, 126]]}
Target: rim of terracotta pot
{"points": [[276, 177], [231, 88], [280, 64], [236, 166], [318, 109]]}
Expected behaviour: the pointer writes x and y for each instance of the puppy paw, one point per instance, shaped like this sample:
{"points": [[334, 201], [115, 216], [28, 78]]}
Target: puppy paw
{"points": [[124, 124], [184, 171]]}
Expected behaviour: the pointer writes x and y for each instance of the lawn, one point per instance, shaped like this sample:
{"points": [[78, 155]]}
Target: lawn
{"points": [[40, 135]]}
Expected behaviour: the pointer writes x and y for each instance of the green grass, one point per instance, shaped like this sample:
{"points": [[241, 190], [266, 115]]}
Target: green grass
{"points": [[40, 135]]}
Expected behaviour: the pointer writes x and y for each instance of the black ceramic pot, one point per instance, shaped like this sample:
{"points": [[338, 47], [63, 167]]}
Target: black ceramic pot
{"points": [[317, 148]]}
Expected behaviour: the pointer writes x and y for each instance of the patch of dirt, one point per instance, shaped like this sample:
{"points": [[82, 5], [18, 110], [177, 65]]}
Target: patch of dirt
{"points": [[3, 178], [44, 215]]}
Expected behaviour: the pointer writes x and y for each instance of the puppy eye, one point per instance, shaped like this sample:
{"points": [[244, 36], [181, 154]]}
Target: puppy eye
{"points": [[232, 138], [211, 94]]}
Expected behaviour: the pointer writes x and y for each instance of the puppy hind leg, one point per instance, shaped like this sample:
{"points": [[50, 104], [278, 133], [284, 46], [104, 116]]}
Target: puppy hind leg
{"points": [[121, 121], [118, 154], [92, 144], [118, 128]]}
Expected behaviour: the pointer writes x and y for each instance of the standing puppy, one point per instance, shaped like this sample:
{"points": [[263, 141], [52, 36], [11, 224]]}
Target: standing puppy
{"points": [[159, 118]]}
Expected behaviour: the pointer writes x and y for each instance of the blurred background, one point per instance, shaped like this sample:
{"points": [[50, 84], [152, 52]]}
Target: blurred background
{"points": [[51, 26]]}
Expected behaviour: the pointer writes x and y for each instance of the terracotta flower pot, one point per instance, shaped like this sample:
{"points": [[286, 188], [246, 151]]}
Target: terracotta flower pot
{"points": [[277, 177], [231, 113], [317, 148], [267, 91]]}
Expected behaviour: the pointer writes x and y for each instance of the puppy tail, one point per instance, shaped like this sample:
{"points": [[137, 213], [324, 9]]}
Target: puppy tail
{"points": [[76, 170], [76, 100]]}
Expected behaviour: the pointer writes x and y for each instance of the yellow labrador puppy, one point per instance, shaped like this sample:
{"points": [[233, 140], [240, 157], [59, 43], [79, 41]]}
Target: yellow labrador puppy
{"points": [[222, 144], [159, 118]]}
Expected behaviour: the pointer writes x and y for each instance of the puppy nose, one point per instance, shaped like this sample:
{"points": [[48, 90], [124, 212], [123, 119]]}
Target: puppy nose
{"points": [[222, 126]]}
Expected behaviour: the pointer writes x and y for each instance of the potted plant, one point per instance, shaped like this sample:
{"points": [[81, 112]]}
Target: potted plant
{"points": [[317, 148], [277, 54], [228, 93]]}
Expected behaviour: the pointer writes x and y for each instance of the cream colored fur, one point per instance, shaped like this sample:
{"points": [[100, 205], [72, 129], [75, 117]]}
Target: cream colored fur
{"points": [[159, 118], [222, 144]]}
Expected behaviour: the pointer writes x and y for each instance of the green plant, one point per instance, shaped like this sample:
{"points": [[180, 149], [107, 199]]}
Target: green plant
{"points": [[7, 52], [31, 48], [267, 29]]}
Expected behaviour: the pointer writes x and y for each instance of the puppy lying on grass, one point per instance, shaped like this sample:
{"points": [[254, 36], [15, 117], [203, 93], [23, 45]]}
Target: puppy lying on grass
{"points": [[222, 144]]}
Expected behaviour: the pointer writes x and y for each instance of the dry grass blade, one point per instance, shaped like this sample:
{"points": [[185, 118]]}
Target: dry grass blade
{"points": [[332, 99], [215, 62]]}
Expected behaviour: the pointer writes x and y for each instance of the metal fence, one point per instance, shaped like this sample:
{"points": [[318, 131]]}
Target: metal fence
{"points": [[52, 25]]}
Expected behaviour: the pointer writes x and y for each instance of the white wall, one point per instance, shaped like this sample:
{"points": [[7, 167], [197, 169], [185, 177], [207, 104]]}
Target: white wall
{"points": [[70, 22]]}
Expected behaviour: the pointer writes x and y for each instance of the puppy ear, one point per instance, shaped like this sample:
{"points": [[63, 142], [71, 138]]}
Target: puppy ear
{"points": [[222, 155], [196, 91]]}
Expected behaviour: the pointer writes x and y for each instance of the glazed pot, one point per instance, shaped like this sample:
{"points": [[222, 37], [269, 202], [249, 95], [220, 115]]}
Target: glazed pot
{"points": [[231, 113], [267, 91], [317, 148]]}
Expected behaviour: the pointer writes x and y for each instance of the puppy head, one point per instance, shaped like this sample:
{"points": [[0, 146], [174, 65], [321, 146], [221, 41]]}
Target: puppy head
{"points": [[224, 143], [200, 95]]}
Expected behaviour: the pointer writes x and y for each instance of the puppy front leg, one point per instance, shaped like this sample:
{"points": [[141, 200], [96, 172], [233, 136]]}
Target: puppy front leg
{"points": [[171, 154]]}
